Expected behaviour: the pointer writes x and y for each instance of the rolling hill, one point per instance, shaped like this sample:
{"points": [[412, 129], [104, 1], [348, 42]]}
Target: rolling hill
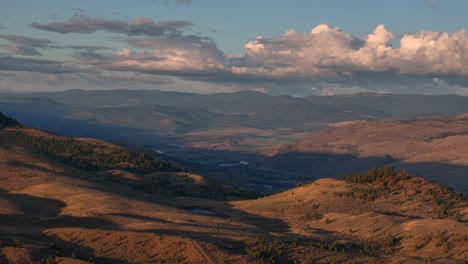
{"points": [[59, 205], [386, 216]]}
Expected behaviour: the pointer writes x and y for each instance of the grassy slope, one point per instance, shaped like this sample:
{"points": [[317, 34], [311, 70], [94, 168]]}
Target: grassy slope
{"points": [[397, 217], [54, 211]]}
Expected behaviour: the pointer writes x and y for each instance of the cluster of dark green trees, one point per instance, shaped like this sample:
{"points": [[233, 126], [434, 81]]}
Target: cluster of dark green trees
{"points": [[376, 174], [6, 121], [382, 180], [447, 201], [214, 190]]}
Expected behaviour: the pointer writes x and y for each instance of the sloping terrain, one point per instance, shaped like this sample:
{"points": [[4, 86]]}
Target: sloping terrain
{"points": [[436, 149], [59, 205], [391, 215], [51, 216], [112, 163]]}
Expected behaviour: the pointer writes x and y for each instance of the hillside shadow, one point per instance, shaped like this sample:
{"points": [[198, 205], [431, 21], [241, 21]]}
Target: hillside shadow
{"points": [[53, 120], [271, 174], [38, 217], [320, 165], [221, 209], [212, 229], [34, 216]]}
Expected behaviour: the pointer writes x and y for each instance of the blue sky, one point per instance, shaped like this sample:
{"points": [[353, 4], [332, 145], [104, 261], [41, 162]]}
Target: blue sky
{"points": [[209, 54]]}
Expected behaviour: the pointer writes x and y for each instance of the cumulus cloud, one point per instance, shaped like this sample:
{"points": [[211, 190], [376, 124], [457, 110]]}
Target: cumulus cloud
{"points": [[174, 54], [329, 52], [83, 24], [20, 45]]}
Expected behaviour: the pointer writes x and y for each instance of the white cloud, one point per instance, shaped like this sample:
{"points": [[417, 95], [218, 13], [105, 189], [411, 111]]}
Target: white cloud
{"points": [[327, 51], [171, 54], [175, 60]]}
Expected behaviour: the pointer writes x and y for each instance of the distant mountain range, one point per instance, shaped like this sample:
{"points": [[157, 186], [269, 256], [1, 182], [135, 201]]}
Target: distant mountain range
{"points": [[247, 128], [172, 112]]}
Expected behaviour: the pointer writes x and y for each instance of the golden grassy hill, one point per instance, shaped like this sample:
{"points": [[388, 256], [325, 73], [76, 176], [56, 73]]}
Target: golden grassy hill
{"points": [[54, 212], [392, 216], [72, 208]]}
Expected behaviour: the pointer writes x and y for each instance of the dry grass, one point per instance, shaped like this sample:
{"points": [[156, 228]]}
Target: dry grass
{"points": [[51, 214]]}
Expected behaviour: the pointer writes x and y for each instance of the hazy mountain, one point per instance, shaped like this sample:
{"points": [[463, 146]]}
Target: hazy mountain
{"points": [[380, 105], [399, 106], [278, 117], [161, 119]]}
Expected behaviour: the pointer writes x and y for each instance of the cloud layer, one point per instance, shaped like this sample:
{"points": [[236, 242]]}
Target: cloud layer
{"points": [[324, 60]]}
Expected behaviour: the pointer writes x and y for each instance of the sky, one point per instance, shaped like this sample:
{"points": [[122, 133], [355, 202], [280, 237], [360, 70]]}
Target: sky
{"points": [[295, 47]]}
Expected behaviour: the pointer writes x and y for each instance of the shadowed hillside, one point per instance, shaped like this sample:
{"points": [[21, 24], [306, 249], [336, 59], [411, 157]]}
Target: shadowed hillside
{"points": [[436, 149], [112, 163]]}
